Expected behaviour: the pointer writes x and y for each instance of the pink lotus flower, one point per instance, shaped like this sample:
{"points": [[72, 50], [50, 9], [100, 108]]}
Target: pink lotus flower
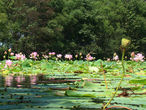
{"points": [[59, 55], [20, 56], [138, 57], [115, 57], [34, 55], [68, 56], [8, 63], [89, 57], [52, 53], [12, 54], [23, 57]]}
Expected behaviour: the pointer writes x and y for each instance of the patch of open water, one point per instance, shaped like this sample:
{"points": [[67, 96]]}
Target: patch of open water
{"points": [[38, 92]]}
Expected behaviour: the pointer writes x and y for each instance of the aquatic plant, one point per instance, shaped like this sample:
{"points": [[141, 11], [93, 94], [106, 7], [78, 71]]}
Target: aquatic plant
{"points": [[89, 57], [68, 56], [34, 55], [20, 56], [124, 44], [115, 57], [137, 57], [59, 55], [8, 63]]}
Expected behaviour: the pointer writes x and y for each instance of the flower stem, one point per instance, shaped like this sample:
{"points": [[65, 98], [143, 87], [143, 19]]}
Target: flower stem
{"points": [[104, 75], [122, 77]]}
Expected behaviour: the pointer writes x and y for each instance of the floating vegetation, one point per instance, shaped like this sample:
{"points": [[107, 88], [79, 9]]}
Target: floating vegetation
{"points": [[70, 85]]}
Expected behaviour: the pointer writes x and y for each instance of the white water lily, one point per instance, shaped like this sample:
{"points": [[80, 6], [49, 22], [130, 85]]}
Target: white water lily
{"points": [[93, 69]]}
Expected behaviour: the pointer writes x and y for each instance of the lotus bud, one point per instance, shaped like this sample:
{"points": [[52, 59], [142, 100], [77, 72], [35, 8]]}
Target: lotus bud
{"points": [[76, 56], [115, 54], [5, 52], [125, 42], [132, 54], [9, 50]]}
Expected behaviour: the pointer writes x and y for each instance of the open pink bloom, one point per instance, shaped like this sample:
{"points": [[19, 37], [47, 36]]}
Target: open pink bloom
{"points": [[23, 57], [116, 58], [68, 56], [89, 57], [11, 53], [8, 63], [20, 56], [59, 55], [138, 57], [52, 53], [34, 55]]}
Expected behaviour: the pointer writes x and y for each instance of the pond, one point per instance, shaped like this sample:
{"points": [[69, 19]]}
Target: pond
{"points": [[64, 92]]}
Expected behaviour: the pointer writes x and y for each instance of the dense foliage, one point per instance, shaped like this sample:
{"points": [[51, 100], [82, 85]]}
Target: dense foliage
{"points": [[72, 26]]}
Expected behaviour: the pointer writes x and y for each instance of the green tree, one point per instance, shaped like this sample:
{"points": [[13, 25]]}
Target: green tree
{"points": [[98, 26], [72, 26], [28, 20]]}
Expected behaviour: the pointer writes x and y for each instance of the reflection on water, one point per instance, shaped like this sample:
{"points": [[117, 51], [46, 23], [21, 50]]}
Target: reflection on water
{"points": [[48, 92], [26, 81], [33, 79], [8, 80], [18, 81]]}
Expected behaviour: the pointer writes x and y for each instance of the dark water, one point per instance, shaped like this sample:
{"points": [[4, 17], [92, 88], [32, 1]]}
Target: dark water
{"points": [[37, 92], [40, 92]]}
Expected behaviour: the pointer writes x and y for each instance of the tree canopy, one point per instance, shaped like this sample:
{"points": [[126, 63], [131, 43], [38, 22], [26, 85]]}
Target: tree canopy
{"points": [[72, 26]]}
